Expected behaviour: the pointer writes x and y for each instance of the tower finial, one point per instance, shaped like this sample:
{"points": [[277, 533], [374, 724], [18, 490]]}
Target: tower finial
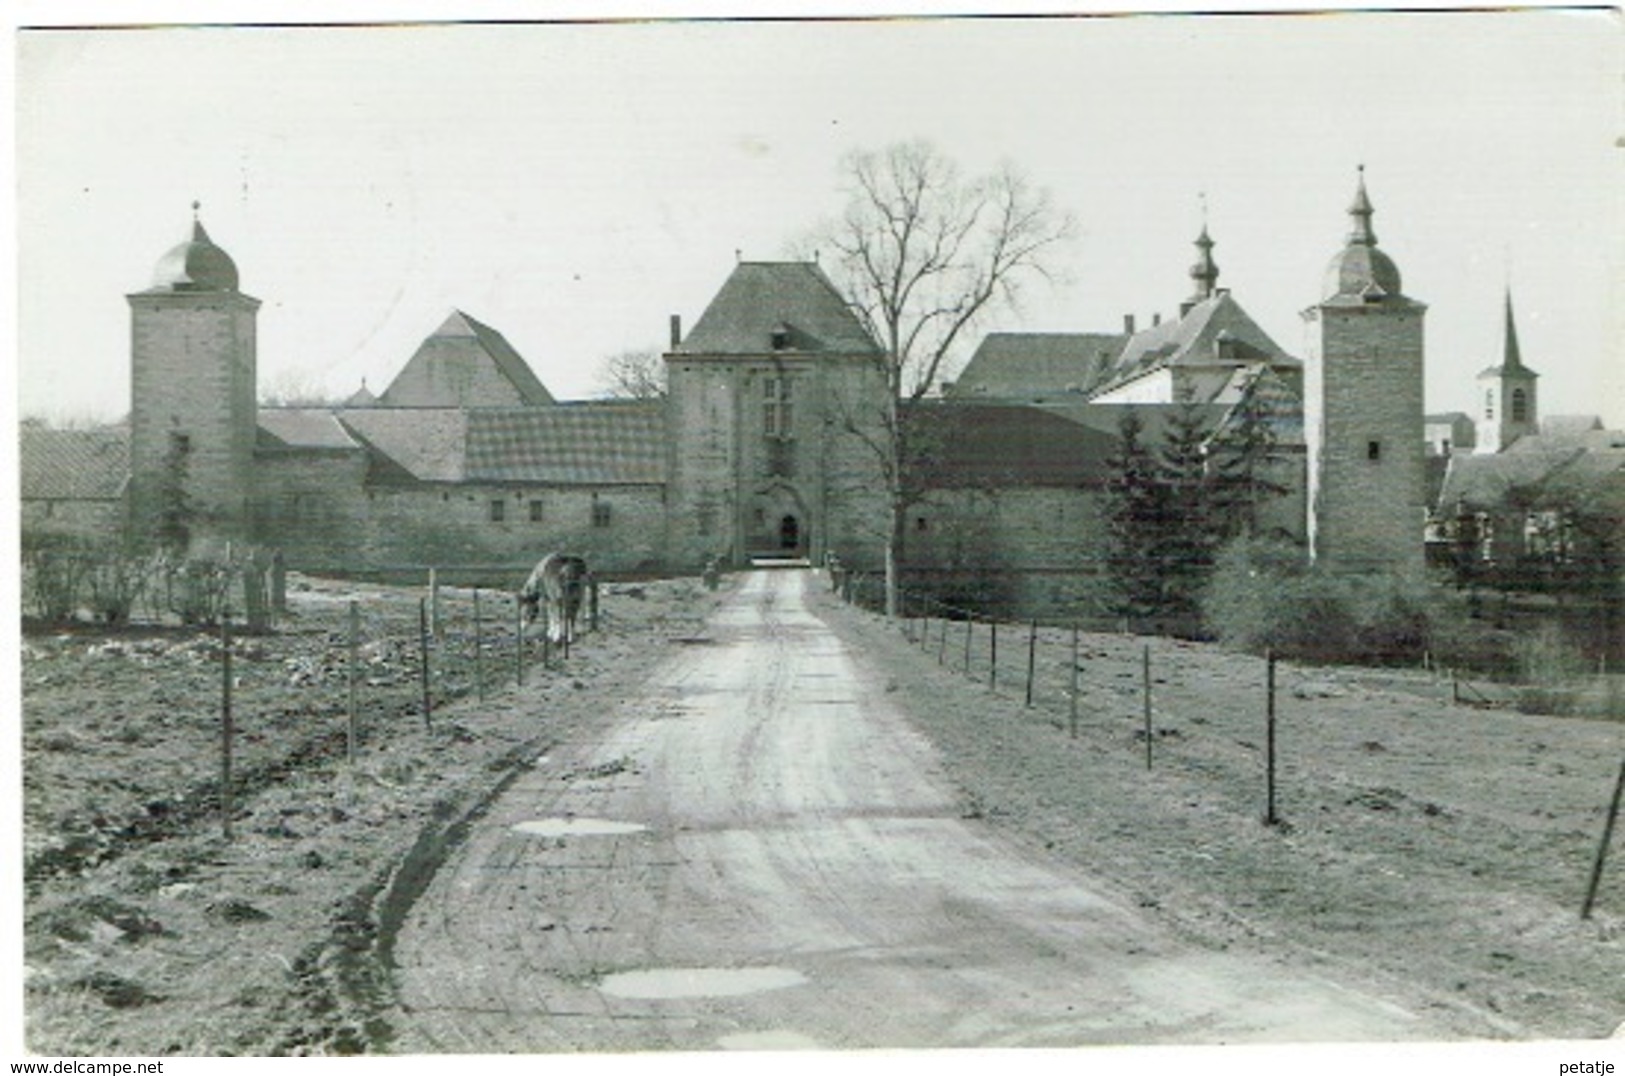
{"points": [[1361, 211], [196, 205]]}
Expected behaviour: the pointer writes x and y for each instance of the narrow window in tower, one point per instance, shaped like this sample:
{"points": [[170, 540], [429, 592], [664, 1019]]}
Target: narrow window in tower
{"points": [[180, 443], [1489, 403], [1373, 451], [1520, 406]]}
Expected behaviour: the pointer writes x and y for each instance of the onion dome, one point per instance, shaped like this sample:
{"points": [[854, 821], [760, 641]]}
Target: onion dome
{"points": [[195, 265], [1205, 272], [1361, 271]]}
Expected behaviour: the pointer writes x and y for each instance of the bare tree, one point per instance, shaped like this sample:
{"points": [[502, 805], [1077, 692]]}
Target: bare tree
{"points": [[634, 375], [925, 256]]}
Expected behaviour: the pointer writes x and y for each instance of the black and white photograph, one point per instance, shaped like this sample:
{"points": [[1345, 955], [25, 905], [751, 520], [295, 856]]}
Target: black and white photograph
{"points": [[1060, 537]]}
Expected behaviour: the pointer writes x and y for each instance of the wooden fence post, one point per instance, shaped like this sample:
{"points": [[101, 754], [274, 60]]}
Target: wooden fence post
{"points": [[942, 644], [423, 654], [1032, 660], [434, 603], [1270, 818], [279, 585], [1072, 695], [479, 647], [993, 655], [1602, 848], [354, 670], [970, 622], [226, 729], [1145, 664], [519, 643], [592, 603]]}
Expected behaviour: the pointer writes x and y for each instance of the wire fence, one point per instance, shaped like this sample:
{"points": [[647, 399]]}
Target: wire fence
{"points": [[1045, 667]]}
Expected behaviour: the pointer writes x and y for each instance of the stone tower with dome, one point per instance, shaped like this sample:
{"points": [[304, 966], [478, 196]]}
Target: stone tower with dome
{"points": [[192, 394], [1363, 414]]}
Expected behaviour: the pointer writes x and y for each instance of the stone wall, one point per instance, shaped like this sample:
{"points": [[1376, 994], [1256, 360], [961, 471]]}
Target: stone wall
{"points": [[1363, 425], [192, 378]]}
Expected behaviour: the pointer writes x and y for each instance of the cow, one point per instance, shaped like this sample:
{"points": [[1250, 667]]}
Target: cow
{"points": [[555, 591]]}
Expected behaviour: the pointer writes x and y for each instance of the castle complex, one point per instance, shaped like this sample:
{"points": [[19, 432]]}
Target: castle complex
{"points": [[764, 441]]}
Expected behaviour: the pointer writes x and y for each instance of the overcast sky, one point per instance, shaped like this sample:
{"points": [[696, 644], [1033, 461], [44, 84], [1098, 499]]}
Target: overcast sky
{"points": [[573, 186]]}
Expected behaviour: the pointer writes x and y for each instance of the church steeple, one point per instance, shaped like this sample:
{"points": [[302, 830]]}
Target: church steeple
{"points": [[1510, 358], [1507, 401]]}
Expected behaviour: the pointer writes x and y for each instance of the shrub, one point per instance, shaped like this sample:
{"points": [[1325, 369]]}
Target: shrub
{"points": [[1264, 594]]}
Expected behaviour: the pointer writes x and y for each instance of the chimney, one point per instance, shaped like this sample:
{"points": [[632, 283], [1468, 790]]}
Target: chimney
{"points": [[676, 330], [1128, 324]]}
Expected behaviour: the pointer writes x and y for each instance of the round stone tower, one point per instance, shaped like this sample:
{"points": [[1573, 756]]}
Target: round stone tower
{"points": [[1363, 409], [192, 400]]}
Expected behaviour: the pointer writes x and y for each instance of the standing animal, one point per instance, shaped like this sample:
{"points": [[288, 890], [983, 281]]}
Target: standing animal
{"points": [[555, 591]]}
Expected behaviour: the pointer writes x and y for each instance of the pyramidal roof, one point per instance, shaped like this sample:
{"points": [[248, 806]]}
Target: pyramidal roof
{"points": [[465, 363], [777, 306]]}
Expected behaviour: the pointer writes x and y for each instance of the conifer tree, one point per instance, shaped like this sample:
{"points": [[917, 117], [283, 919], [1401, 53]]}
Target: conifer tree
{"points": [[1136, 506], [1185, 540], [1241, 464]]}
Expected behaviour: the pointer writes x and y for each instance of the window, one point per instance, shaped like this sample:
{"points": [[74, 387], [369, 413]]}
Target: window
{"points": [[1373, 451], [919, 523], [180, 443], [777, 418], [1489, 403], [600, 513], [535, 511], [499, 511], [1520, 406]]}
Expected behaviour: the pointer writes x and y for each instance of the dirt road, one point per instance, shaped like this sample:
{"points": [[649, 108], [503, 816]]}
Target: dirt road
{"points": [[764, 854]]}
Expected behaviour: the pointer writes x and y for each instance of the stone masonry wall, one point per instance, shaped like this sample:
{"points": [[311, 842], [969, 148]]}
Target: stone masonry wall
{"points": [[1364, 389]]}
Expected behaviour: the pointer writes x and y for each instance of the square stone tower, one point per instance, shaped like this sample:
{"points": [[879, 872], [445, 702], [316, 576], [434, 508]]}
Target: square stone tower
{"points": [[775, 399], [192, 400], [1363, 417]]}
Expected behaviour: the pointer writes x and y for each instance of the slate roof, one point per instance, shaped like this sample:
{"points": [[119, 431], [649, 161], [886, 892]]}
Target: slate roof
{"points": [[974, 444], [88, 465], [285, 428], [1214, 330], [424, 444], [1037, 365], [760, 298], [1537, 463], [462, 341]]}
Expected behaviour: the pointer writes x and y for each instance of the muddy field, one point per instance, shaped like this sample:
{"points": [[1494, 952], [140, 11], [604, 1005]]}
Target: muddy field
{"points": [[148, 931], [1436, 850]]}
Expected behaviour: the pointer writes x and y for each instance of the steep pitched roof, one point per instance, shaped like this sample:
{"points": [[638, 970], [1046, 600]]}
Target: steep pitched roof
{"points": [[1536, 464], [1037, 365], [568, 445], [1215, 330], [90, 465], [761, 299], [969, 443], [465, 363]]}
